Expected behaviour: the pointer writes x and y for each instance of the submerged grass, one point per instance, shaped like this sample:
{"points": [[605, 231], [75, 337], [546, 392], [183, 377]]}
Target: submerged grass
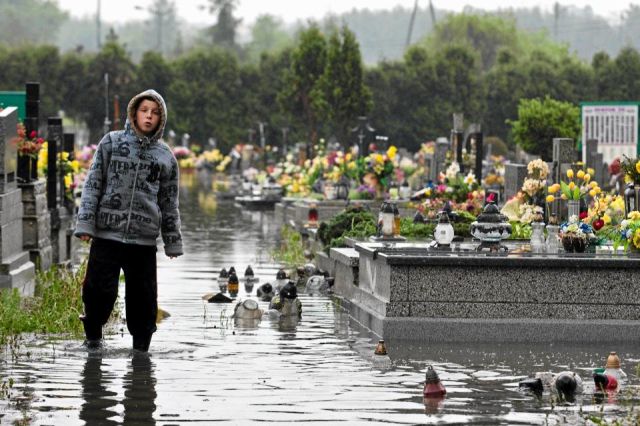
{"points": [[54, 308], [291, 248]]}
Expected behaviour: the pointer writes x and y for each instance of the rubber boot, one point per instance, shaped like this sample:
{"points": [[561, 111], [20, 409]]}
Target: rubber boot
{"points": [[93, 334], [141, 343]]}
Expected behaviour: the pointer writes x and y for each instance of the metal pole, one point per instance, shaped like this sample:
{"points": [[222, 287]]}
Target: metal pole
{"points": [[107, 122], [98, 36]]}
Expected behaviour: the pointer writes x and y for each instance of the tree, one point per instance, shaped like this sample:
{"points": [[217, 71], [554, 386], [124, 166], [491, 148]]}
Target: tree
{"points": [[267, 36], [163, 25], [341, 94], [223, 32], [539, 121], [154, 73], [207, 97], [308, 62], [115, 61], [29, 21]]}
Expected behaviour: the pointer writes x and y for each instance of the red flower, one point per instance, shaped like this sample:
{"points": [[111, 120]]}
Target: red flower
{"points": [[583, 215], [598, 224], [469, 196], [33, 134], [491, 197]]}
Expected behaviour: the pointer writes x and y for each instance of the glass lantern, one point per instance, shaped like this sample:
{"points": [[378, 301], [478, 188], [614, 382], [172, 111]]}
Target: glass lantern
{"points": [[405, 191], [396, 220], [538, 242], [444, 232], [387, 219], [631, 198]]}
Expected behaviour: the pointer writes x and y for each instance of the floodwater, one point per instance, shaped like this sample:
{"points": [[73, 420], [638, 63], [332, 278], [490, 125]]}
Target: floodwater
{"points": [[204, 369]]}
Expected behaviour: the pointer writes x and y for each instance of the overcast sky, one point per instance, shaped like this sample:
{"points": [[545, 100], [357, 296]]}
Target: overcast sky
{"points": [[292, 10]]}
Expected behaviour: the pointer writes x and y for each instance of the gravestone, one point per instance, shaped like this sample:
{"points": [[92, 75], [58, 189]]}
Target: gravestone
{"points": [[595, 160], [36, 219], [16, 270], [514, 175], [564, 154], [439, 158]]}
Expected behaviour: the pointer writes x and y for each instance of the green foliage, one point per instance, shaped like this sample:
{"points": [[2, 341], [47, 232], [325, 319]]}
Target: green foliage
{"points": [[291, 249], [29, 21], [55, 307], [308, 61], [520, 231], [353, 221], [223, 32], [267, 36], [340, 94], [413, 230], [541, 121]]}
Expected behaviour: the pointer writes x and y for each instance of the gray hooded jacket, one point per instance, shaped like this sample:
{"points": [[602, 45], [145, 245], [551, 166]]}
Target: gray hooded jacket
{"points": [[131, 191]]}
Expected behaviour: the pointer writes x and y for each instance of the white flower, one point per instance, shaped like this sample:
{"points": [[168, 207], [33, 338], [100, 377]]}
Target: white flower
{"points": [[470, 179], [624, 224], [452, 171]]}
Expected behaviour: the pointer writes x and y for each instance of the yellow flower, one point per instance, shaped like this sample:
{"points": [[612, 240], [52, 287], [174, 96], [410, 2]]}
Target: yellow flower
{"points": [[591, 171], [75, 166], [570, 174], [379, 158], [636, 238], [587, 177], [391, 152], [593, 192], [552, 189], [593, 184], [580, 174], [606, 218], [627, 179], [347, 156], [67, 180], [563, 196], [638, 167], [550, 198], [572, 185], [634, 215]]}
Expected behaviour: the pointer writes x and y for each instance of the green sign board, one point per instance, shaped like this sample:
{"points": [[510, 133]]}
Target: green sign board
{"points": [[16, 99]]}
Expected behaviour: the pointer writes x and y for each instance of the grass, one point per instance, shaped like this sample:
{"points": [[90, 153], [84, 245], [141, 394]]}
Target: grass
{"points": [[291, 249], [53, 309]]}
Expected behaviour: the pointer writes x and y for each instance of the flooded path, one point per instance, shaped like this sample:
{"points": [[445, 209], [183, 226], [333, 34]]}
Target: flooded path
{"points": [[203, 369]]}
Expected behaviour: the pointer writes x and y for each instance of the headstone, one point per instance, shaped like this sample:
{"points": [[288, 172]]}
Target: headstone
{"points": [[16, 270], [514, 175], [442, 147], [564, 154]]}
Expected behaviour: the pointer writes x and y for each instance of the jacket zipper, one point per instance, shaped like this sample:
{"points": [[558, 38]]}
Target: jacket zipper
{"points": [[133, 192]]}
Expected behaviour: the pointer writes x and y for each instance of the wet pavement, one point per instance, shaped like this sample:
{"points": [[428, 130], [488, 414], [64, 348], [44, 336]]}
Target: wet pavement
{"points": [[204, 369]]}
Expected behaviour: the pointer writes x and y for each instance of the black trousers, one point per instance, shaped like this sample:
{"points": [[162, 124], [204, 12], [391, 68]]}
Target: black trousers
{"points": [[100, 288]]}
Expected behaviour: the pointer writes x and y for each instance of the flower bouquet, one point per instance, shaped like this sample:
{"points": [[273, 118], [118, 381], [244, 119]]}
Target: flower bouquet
{"points": [[575, 235]]}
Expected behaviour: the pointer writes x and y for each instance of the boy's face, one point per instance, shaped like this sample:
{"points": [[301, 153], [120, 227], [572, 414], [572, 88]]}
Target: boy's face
{"points": [[148, 116]]}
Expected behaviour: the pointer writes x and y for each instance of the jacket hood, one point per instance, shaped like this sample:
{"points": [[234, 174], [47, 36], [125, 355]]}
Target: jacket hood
{"points": [[130, 125]]}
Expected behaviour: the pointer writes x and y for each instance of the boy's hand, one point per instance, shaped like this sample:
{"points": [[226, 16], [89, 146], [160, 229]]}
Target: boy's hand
{"points": [[85, 237]]}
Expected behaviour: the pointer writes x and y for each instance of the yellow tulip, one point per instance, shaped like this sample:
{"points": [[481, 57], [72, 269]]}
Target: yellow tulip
{"points": [[580, 174], [550, 198], [606, 218], [587, 177], [570, 174], [572, 185], [638, 167], [552, 189], [591, 171], [563, 197], [593, 184], [593, 192]]}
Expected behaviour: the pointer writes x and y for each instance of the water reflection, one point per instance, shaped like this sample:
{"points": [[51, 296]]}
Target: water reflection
{"points": [[140, 391], [97, 408], [100, 400]]}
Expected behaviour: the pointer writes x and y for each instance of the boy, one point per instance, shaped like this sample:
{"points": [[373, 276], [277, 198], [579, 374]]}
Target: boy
{"points": [[130, 196]]}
